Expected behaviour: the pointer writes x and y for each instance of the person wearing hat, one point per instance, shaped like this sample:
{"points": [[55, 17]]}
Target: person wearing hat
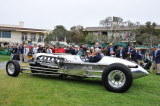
{"points": [[95, 56], [154, 65], [111, 50]]}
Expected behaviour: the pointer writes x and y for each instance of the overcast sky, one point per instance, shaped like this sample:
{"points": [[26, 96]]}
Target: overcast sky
{"points": [[45, 14]]}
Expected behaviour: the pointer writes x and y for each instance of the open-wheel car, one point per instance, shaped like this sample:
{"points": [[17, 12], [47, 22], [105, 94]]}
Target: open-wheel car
{"points": [[117, 74]]}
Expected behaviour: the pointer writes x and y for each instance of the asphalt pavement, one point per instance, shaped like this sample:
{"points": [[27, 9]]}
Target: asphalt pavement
{"points": [[3, 65]]}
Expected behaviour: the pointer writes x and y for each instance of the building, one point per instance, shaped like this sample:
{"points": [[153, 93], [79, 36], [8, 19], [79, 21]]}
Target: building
{"points": [[124, 34], [19, 34]]}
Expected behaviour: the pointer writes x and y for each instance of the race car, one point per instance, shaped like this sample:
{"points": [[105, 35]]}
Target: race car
{"points": [[117, 74]]}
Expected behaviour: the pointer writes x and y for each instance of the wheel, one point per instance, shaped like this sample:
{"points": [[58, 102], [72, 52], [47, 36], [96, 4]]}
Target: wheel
{"points": [[13, 68], [117, 78]]}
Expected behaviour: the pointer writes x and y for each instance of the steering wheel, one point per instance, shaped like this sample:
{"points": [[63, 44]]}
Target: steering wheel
{"points": [[84, 58]]}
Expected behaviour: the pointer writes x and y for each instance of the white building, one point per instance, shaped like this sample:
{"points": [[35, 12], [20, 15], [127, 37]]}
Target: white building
{"points": [[18, 34]]}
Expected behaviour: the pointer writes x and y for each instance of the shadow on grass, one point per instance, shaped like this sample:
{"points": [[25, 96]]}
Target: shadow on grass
{"points": [[72, 79]]}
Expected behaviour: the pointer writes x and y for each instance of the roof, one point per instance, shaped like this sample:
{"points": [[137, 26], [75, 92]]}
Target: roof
{"points": [[22, 29], [107, 28]]}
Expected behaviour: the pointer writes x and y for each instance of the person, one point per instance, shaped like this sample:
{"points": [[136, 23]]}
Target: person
{"points": [[88, 53], [111, 50], [35, 51], [121, 53], [40, 49], [154, 65], [74, 50], [128, 50], [133, 54], [157, 56], [139, 57], [92, 49], [61, 50], [49, 50], [67, 50], [25, 53], [95, 57], [97, 46], [21, 52], [84, 48], [106, 51]]}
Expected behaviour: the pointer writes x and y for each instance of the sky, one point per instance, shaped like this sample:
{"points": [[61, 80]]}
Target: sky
{"points": [[46, 14]]}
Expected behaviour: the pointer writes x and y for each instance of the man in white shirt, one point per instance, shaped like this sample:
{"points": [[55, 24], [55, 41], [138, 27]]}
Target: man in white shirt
{"points": [[49, 50], [25, 53], [35, 50]]}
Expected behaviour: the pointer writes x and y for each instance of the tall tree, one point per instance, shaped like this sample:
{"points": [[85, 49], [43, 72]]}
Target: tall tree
{"points": [[76, 35], [113, 24]]}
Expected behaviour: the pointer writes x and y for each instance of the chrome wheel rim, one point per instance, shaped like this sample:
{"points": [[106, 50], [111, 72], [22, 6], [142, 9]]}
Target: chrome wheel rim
{"points": [[11, 68], [116, 78]]}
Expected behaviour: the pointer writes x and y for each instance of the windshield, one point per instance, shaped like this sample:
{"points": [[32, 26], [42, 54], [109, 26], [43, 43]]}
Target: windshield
{"points": [[81, 52]]}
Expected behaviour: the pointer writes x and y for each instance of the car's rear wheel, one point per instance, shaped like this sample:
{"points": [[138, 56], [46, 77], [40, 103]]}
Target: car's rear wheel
{"points": [[12, 68], [117, 78]]}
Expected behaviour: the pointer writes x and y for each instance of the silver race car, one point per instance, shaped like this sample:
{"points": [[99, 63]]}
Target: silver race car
{"points": [[116, 74]]}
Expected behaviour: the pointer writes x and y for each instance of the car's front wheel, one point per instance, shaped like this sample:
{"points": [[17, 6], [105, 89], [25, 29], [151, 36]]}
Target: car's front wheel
{"points": [[12, 68], [117, 78]]}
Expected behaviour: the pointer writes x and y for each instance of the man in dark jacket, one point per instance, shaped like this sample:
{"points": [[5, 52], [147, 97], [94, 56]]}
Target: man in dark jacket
{"points": [[139, 57], [121, 53], [157, 56], [95, 56], [133, 54]]}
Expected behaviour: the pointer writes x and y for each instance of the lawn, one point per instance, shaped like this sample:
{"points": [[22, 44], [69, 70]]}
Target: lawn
{"points": [[4, 58], [27, 89]]}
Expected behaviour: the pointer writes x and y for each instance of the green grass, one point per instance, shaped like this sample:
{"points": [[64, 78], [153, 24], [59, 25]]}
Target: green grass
{"points": [[27, 89], [4, 58]]}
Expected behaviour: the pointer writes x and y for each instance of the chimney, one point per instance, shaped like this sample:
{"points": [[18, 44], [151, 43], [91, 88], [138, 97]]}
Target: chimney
{"points": [[21, 24]]}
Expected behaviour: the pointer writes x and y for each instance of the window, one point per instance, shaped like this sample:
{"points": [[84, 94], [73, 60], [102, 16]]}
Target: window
{"points": [[33, 36], [5, 34], [41, 38], [24, 36]]}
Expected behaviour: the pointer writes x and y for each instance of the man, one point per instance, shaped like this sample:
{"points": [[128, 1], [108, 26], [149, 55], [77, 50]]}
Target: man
{"points": [[97, 46], [21, 52], [67, 50], [157, 56], [49, 50], [74, 50], [121, 52], [35, 51], [139, 57], [128, 50], [154, 65], [95, 56], [133, 54], [61, 50], [26, 51], [111, 50]]}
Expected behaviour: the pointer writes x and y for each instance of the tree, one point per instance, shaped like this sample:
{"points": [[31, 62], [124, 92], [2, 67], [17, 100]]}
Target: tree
{"points": [[148, 34], [58, 34], [76, 35], [93, 38], [113, 24]]}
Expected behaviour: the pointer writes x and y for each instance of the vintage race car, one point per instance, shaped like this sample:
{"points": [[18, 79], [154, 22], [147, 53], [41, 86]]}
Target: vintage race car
{"points": [[117, 74]]}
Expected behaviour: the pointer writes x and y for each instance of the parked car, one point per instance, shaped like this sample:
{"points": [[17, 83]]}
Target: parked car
{"points": [[116, 74]]}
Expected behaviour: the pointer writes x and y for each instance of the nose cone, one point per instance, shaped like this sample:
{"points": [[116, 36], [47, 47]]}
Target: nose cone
{"points": [[139, 72]]}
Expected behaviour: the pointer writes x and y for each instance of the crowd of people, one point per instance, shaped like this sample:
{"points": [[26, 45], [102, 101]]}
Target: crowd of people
{"points": [[26, 53]]}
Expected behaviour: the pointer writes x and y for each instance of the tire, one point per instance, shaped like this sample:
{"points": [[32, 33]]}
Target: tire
{"points": [[13, 68], [117, 78]]}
